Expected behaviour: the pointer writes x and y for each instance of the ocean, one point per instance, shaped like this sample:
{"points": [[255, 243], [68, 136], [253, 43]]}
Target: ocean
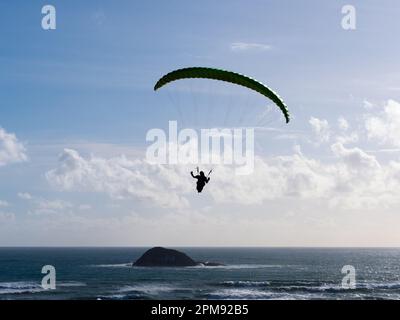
{"points": [[249, 273]]}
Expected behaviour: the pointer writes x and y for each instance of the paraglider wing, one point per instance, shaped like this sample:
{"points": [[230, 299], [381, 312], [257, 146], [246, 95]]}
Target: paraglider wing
{"points": [[228, 76]]}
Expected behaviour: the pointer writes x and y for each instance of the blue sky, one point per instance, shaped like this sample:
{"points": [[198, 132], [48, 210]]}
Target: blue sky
{"points": [[103, 59], [87, 86]]}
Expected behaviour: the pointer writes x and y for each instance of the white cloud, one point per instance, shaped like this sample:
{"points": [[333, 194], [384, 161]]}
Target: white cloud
{"points": [[343, 124], [355, 157], [385, 126], [121, 178], [345, 137], [300, 198], [24, 195], [320, 129], [353, 137], [11, 150], [245, 46], [368, 105], [273, 178], [352, 178], [355, 181]]}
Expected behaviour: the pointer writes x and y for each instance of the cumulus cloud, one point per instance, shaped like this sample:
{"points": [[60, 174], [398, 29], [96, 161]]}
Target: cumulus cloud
{"points": [[354, 180], [320, 129], [355, 158], [343, 124], [350, 178], [121, 178], [353, 137], [299, 194], [385, 126], [273, 178], [368, 105], [11, 150]]}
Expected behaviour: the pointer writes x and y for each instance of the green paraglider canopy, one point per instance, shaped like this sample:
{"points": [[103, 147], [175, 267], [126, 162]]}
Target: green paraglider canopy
{"points": [[228, 76]]}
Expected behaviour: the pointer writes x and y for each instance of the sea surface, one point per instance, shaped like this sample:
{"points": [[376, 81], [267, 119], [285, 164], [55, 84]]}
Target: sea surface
{"points": [[250, 273]]}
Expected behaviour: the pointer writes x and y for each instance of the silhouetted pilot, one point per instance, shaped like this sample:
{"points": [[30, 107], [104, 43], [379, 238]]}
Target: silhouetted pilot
{"points": [[201, 180]]}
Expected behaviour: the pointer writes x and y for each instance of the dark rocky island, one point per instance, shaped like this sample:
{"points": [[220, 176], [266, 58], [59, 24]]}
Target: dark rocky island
{"points": [[162, 257]]}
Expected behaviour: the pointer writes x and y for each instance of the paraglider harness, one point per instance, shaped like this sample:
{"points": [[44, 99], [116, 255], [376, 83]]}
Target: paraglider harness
{"points": [[201, 179]]}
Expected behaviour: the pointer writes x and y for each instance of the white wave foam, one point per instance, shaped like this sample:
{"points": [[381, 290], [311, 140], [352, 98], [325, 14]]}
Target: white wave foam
{"points": [[243, 283], [254, 294], [366, 285], [240, 266], [378, 285], [240, 294], [147, 288], [115, 265], [19, 287], [311, 287]]}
